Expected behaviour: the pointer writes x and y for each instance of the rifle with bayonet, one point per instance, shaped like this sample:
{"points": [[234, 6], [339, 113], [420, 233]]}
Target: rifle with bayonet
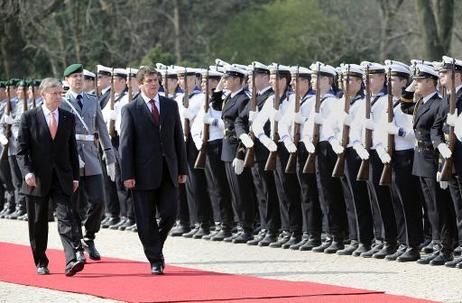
{"points": [[309, 167], [201, 157], [292, 162], [33, 93], [250, 152], [129, 85], [446, 170], [96, 84], [271, 161], [24, 91], [187, 125], [385, 178], [112, 130], [363, 173], [339, 168]]}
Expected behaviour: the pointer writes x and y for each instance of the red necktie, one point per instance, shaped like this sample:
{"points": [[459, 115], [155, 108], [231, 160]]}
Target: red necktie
{"points": [[154, 112], [53, 125]]}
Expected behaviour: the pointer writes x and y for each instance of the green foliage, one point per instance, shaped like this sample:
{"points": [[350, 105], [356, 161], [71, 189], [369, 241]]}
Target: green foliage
{"points": [[157, 54], [286, 31]]}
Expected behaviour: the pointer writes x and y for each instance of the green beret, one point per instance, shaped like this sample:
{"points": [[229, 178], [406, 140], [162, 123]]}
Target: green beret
{"points": [[36, 82], [72, 69]]}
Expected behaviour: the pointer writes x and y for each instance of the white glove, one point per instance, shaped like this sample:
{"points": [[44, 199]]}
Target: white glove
{"points": [[81, 163], [369, 124], [299, 118], [392, 129], [8, 119], [252, 115], [308, 145], [110, 168], [443, 184], [276, 116], [444, 150], [318, 119], [383, 155], [290, 146], [347, 119], [197, 143], [113, 115], [246, 140], [336, 147], [187, 114], [361, 151], [268, 143], [207, 119], [458, 128], [238, 165], [3, 140], [451, 119]]}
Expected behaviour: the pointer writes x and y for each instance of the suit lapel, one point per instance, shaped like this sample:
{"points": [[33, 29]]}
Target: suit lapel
{"points": [[44, 130], [144, 110], [163, 109]]}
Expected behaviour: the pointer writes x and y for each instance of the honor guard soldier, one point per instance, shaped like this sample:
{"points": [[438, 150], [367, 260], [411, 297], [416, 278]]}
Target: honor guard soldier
{"points": [[215, 172], [103, 84], [310, 207], [330, 190], [264, 182], [190, 103], [239, 177], [89, 121], [407, 204], [428, 144]]}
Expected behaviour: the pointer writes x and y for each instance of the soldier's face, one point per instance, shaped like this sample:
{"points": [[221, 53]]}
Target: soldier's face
{"points": [[191, 82], [354, 85], [52, 97], [424, 86], [75, 82], [150, 86], [119, 84], [88, 85], [232, 83], [278, 83], [376, 82], [103, 81], [397, 85], [20, 92], [172, 84]]}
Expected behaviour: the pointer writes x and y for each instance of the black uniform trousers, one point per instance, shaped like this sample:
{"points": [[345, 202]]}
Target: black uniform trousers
{"points": [[267, 197], [111, 196], [330, 190], [217, 184], [20, 200], [151, 204], [408, 200], [359, 192], [381, 196], [123, 195], [182, 207], [288, 191], [199, 204], [242, 195], [310, 206], [440, 211], [6, 185], [37, 212], [455, 190], [89, 191]]}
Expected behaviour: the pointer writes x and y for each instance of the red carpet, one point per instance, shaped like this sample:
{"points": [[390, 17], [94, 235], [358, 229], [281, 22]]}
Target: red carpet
{"points": [[127, 280]]}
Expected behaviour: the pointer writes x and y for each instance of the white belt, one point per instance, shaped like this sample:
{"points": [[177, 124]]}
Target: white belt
{"points": [[85, 137]]}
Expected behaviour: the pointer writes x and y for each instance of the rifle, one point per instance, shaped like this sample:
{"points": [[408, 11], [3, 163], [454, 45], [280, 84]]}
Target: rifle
{"points": [[187, 125], [309, 167], [7, 131], [112, 131], [385, 178], [33, 94], [96, 83], [129, 86], [250, 152], [292, 162], [200, 160], [24, 90], [446, 170], [271, 161], [363, 173], [339, 168]]}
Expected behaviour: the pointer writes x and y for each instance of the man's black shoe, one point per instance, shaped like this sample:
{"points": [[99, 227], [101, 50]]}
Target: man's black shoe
{"points": [[90, 248], [411, 254], [42, 270], [362, 248], [111, 221], [80, 256], [73, 267], [441, 259], [157, 268], [401, 250], [348, 251], [453, 263]]}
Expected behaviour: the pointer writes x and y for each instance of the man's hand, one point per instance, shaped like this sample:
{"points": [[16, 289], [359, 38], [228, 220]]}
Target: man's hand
{"points": [[30, 180], [75, 185], [129, 184], [252, 115], [110, 168], [246, 140], [8, 119], [182, 179]]}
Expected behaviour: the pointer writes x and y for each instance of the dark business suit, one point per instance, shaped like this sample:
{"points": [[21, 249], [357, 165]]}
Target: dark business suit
{"points": [[54, 162], [153, 154]]}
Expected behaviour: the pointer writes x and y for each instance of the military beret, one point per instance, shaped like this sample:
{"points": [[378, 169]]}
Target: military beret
{"points": [[72, 69], [36, 82]]}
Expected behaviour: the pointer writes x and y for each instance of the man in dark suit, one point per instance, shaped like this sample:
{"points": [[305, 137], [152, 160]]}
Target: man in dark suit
{"points": [[47, 157], [153, 163]]}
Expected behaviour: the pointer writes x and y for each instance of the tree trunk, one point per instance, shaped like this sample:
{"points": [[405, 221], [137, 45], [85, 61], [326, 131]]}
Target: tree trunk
{"points": [[176, 27]]}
